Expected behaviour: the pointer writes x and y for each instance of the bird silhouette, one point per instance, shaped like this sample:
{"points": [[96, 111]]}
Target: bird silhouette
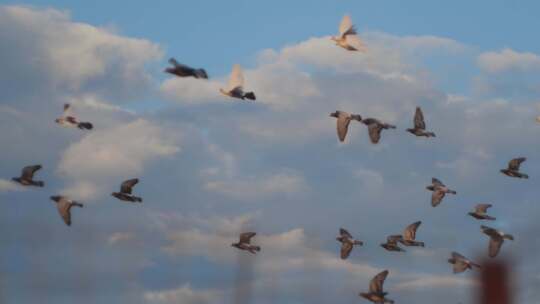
{"points": [[27, 177]]}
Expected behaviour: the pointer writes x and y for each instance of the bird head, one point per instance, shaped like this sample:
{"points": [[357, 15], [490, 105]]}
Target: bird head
{"points": [[334, 114], [57, 120]]}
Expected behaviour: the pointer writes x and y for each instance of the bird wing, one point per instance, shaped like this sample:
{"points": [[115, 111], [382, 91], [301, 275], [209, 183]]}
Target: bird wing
{"points": [[64, 206], [237, 79], [356, 42], [419, 122], [482, 208], [68, 110], [343, 121], [392, 239], [437, 182], [374, 131], [515, 163], [246, 237], [345, 233], [458, 256], [436, 197], [410, 231], [127, 186], [376, 284], [460, 266], [346, 248], [346, 26], [28, 172], [174, 62], [495, 245]]}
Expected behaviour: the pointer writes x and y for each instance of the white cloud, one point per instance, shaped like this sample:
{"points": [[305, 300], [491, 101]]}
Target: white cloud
{"points": [[507, 60], [7, 185], [120, 237], [427, 281], [184, 295]]}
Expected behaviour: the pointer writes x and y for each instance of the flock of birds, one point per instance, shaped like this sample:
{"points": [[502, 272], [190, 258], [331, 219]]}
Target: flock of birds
{"points": [[349, 40]]}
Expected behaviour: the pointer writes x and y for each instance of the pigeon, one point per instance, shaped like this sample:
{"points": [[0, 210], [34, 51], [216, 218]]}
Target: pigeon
{"points": [[235, 87], [68, 120], [461, 263], [244, 243], [376, 293], [27, 175], [125, 191], [497, 238], [513, 168], [343, 120], [420, 125], [64, 207], [480, 212], [439, 191], [348, 38], [347, 243], [182, 70], [391, 243], [375, 127], [409, 235]]}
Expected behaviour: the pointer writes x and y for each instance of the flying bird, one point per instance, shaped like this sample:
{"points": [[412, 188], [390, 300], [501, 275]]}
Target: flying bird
{"points": [[513, 168], [69, 120], [409, 235], [496, 239], [391, 243], [245, 243], [480, 212], [27, 177], [376, 293], [182, 70], [348, 38], [439, 191], [347, 243], [375, 127], [235, 87], [420, 125], [461, 263], [343, 120], [125, 191], [63, 204]]}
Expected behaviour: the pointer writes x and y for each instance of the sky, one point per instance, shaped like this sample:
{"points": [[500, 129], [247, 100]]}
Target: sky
{"points": [[211, 167]]}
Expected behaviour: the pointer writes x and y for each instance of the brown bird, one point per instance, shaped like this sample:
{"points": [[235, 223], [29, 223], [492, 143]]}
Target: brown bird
{"points": [[63, 204], [420, 125], [409, 235], [496, 239], [235, 88], [480, 212], [182, 70], [391, 243], [513, 168], [461, 263], [27, 175], [125, 191], [376, 293], [347, 243], [69, 120], [245, 243], [343, 120], [375, 127], [348, 38], [439, 191]]}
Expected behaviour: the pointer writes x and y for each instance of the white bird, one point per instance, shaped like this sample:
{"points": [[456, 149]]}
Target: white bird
{"points": [[348, 38], [235, 87], [69, 120]]}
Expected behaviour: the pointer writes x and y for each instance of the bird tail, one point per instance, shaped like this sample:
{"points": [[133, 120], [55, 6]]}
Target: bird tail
{"points": [[421, 244], [452, 192], [137, 199], [360, 243], [524, 176], [508, 237], [257, 248], [430, 134], [85, 125], [201, 73], [356, 117], [38, 183], [388, 126], [250, 95], [78, 204]]}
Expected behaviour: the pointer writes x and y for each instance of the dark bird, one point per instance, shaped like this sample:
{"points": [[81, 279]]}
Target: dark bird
{"points": [[496, 239], [461, 263], [69, 120], [235, 87], [245, 243], [420, 125], [375, 127], [391, 243], [513, 168], [125, 191], [409, 235], [63, 204], [343, 120], [27, 175], [376, 293], [480, 212], [347, 243], [182, 70], [439, 191]]}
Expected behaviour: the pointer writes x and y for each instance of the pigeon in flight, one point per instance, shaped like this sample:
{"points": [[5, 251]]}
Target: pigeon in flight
{"points": [[513, 168], [375, 127], [235, 87], [348, 38], [125, 191], [343, 120], [347, 243], [245, 243], [480, 212], [376, 293], [391, 243], [409, 235], [182, 70], [439, 191], [461, 263], [420, 125], [27, 175], [64, 207], [68, 120], [496, 239]]}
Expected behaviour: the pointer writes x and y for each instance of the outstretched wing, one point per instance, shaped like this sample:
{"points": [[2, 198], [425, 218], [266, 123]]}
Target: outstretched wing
{"points": [[356, 42], [410, 231], [343, 121], [346, 248], [63, 205], [346, 27], [345, 233], [246, 237], [237, 78], [494, 246], [127, 186], [515, 163], [374, 131], [437, 197], [460, 266], [436, 182], [482, 208], [28, 172], [67, 110], [458, 256], [376, 284], [419, 122]]}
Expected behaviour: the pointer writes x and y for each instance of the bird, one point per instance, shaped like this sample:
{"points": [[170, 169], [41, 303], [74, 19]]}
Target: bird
{"points": [[409, 235], [68, 120], [348, 38], [245, 243], [125, 191], [182, 70], [376, 293], [496, 239], [391, 243], [439, 191], [480, 212], [63, 204], [513, 168], [420, 125], [27, 177], [375, 127], [342, 123], [235, 87], [347, 243], [538, 119], [461, 263]]}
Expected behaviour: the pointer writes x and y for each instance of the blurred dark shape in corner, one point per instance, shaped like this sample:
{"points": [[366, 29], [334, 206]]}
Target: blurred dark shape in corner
{"points": [[495, 282]]}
